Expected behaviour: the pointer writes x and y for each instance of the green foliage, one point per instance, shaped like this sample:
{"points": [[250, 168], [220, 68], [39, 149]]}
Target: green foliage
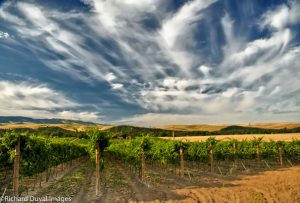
{"points": [[167, 151], [47, 132], [279, 144], [198, 151], [131, 131], [212, 141], [97, 136], [5, 159], [257, 140], [100, 137], [127, 150], [291, 150], [59, 132], [38, 153], [145, 143], [164, 151]]}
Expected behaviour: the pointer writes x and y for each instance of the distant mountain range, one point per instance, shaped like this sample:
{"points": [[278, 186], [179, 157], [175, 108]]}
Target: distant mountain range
{"points": [[21, 119]]}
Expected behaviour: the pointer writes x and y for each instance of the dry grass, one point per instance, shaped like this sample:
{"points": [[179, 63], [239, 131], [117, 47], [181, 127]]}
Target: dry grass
{"points": [[287, 125], [202, 127], [266, 137], [72, 127], [216, 127]]}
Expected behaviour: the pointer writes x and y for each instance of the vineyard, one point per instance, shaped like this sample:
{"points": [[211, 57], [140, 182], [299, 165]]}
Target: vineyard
{"points": [[174, 152], [33, 154], [168, 151], [30, 158]]}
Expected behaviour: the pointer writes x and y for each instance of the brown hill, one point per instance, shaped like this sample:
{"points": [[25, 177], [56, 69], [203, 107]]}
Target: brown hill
{"points": [[79, 127], [216, 127]]}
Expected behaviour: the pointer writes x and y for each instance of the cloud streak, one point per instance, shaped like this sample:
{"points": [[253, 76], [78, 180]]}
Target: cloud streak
{"points": [[38, 101]]}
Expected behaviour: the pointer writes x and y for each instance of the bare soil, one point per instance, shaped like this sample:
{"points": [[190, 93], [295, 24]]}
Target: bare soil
{"points": [[271, 186], [121, 184], [231, 182]]}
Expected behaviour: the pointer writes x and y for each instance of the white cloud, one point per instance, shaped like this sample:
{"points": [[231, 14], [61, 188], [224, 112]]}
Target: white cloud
{"points": [[205, 70], [25, 96], [159, 119], [8, 16], [117, 85], [182, 24], [233, 41], [144, 4], [84, 116], [110, 77], [38, 101], [260, 57], [283, 16], [4, 35], [183, 21]]}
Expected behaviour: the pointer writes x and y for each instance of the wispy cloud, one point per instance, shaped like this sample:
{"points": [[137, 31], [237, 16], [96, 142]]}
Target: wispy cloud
{"points": [[159, 119], [282, 16], [36, 100], [181, 25], [169, 62]]}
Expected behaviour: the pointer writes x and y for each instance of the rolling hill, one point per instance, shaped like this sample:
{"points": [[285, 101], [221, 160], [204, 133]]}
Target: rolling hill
{"points": [[217, 127]]}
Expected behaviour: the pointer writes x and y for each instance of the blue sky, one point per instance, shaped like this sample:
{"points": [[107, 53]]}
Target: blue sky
{"points": [[151, 62]]}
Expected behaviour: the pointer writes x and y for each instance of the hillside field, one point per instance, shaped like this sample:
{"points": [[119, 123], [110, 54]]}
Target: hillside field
{"points": [[266, 137], [72, 127], [216, 127]]}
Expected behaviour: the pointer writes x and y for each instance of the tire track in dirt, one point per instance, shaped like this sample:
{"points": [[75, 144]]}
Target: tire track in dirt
{"points": [[52, 187], [118, 185], [140, 191], [81, 196]]}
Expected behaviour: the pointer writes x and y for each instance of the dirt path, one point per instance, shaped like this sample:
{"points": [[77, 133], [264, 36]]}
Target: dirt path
{"points": [[272, 186], [119, 185], [69, 183]]}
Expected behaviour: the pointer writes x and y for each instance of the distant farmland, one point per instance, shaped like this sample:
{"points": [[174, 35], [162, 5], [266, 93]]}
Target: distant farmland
{"points": [[217, 127], [266, 137]]}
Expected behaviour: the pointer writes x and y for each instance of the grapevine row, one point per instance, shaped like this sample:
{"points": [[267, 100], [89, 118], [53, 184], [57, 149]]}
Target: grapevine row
{"points": [[38, 153], [167, 151]]}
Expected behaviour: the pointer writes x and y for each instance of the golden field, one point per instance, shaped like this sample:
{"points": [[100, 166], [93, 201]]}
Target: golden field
{"points": [[216, 127], [266, 137]]}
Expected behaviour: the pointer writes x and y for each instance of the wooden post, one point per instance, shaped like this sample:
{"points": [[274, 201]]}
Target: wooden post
{"points": [[211, 158], [47, 175], [280, 156], [181, 161], [234, 149], [16, 168], [257, 152], [97, 169], [35, 181], [234, 154], [40, 179], [142, 164]]}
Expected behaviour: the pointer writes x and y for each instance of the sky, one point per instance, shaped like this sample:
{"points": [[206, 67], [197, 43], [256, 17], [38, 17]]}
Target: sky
{"points": [[151, 62]]}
